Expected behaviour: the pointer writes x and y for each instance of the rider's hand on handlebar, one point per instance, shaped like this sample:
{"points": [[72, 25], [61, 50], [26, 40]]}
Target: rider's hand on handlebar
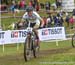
{"points": [[41, 27]]}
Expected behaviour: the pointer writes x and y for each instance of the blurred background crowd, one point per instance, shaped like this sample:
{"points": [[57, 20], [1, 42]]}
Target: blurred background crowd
{"points": [[55, 15]]}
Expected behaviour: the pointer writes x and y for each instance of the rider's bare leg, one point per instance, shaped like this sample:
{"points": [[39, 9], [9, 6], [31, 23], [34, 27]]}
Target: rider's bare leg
{"points": [[37, 37]]}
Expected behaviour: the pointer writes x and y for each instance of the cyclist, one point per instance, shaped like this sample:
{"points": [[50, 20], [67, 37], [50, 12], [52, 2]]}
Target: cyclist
{"points": [[35, 19]]}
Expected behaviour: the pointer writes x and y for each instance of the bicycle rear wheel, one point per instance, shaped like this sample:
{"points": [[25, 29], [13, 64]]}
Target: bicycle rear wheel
{"points": [[73, 40]]}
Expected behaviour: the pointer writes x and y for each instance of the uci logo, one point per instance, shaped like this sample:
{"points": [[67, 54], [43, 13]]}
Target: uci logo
{"points": [[45, 32], [14, 34]]}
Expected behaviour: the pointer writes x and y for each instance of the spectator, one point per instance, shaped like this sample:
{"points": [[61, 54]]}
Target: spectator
{"points": [[37, 7], [55, 20], [58, 21], [54, 6], [20, 25], [67, 19], [61, 13], [34, 3], [13, 6], [74, 14], [22, 4], [3, 7], [45, 22], [61, 21], [49, 21], [42, 5], [71, 20], [47, 6], [58, 3], [31, 3]]}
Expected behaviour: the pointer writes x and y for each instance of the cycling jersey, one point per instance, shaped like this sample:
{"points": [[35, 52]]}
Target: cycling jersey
{"points": [[32, 18], [35, 18]]}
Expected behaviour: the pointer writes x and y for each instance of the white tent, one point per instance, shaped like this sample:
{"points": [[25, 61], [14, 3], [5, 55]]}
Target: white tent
{"points": [[68, 5]]}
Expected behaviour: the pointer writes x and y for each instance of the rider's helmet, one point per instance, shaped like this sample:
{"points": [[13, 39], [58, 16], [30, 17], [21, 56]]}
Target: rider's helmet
{"points": [[29, 8]]}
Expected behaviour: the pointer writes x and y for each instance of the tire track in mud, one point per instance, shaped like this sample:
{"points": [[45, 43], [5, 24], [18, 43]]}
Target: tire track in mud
{"points": [[42, 53]]}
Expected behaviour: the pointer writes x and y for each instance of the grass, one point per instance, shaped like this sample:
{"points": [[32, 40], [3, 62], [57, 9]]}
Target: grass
{"points": [[63, 54], [44, 46], [50, 54], [8, 21], [42, 1]]}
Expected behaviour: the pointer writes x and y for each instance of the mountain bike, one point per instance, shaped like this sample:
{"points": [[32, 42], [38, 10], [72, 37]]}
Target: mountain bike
{"points": [[73, 40], [30, 44]]}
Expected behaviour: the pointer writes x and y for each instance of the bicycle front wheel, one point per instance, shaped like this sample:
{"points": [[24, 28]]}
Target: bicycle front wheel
{"points": [[27, 50], [73, 40]]}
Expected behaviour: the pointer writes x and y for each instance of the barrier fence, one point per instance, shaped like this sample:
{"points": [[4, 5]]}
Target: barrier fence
{"points": [[18, 36], [57, 42], [54, 34]]}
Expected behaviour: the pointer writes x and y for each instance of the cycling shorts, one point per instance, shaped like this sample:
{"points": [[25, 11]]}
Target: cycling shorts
{"points": [[35, 24]]}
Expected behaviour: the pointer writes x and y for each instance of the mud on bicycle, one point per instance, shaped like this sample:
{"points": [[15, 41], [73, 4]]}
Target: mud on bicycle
{"points": [[30, 48]]}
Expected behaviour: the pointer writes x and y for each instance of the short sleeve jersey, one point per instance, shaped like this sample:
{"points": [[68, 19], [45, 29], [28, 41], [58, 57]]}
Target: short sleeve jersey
{"points": [[31, 18]]}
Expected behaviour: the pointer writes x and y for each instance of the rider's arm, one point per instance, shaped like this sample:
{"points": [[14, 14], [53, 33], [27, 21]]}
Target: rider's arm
{"points": [[22, 20], [24, 17], [41, 20]]}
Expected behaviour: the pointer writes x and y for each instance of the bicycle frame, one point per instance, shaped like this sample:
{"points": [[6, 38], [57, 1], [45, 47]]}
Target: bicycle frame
{"points": [[30, 32], [29, 43]]}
